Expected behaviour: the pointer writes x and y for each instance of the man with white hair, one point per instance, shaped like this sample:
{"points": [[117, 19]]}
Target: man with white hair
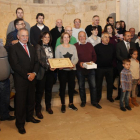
{"points": [[105, 55], [95, 22], [73, 40], [57, 31]]}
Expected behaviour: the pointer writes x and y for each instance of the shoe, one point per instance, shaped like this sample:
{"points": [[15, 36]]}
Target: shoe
{"points": [[11, 108], [97, 106], [122, 108], [83, 104], [110, 99], [75, 92], [134, 102], [130, 102], [21, 130], [10, 118], [114, 87], [128, 108], [39, 115], [71, 106], [63, 108], [117, 98], [33, 120], [49, 110]]}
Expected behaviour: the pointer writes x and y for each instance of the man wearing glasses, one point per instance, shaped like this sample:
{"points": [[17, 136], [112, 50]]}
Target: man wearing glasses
{"points": [[73, 40]]}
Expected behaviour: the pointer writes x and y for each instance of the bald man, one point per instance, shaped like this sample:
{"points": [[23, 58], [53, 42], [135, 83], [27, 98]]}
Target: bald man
{"points": [[73, 40], [57, 31]]}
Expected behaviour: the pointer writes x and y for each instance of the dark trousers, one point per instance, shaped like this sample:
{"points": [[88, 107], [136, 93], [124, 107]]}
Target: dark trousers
{"points": [[4, 98], [64, 77], [115, 73], [92, 86], [25, 100], [100, 73], [45, 84]]}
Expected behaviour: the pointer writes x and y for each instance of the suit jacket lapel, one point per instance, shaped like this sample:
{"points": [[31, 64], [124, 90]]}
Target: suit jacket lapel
{"points": [[125, 49]]}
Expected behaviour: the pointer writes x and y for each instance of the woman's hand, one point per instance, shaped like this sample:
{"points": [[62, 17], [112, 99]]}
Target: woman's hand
{"points": [[52, 69]]}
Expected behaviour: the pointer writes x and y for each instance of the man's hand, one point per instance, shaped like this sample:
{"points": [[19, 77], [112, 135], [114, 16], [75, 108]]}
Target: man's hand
{"points": [[31, 76], [14, 42], [81, 64], [52, 69], [139, 82]]}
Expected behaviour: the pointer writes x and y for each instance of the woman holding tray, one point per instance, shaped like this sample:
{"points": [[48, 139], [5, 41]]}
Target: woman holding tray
{"points": [[66, 50], [45, 75]]}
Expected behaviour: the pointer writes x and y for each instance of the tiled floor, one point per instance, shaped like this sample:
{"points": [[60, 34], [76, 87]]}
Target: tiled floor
{"points": [[88, 123]]}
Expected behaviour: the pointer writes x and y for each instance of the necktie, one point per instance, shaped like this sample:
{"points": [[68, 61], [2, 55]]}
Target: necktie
{"points": [[25, 47], [128, 46]]}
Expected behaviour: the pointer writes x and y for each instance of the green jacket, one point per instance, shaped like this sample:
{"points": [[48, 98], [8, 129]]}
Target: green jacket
{"points": [[72, 41]]}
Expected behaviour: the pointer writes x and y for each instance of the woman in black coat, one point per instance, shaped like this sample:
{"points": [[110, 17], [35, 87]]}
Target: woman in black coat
{"points": [[45, 75]]}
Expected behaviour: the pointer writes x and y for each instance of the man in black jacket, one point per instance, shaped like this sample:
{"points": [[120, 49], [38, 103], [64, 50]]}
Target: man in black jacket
{"points": [[95, 22], [56, 32], [23, 60], [36, 30], [122, 52]]}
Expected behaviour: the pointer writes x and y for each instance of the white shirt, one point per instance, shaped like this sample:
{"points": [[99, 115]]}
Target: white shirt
{"points": [[40, 27], [24, 48], [126, 44], [76, 31]]}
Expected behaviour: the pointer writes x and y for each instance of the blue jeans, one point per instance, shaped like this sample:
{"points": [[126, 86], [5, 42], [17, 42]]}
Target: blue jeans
{"points": [[4, 98], [92, 86], [124, 97]]}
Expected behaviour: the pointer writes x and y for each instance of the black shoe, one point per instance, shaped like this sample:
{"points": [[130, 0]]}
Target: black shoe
{"points": [[114, 87], [122, 108], [33, 120], [21, 130], [97, 106], [83, 104], [39, 115], [75, 92], [10, 118], [128, 108], [49, 110], [11, 108], [110, 99], [63, 108], [72, 107], [117, 98], [138, 95]]}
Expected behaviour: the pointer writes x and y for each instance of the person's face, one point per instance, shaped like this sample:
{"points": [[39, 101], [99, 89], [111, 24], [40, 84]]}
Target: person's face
{"points": [[111, 21], [134, 55], [82, 37], [132, 31], [77, 24], [127, 37], [66, 39], [59, 23], [40, 20], [95, 32], [23, 36], [118, 25], [126, 65], [105, 39], [109, 29], [122, 24], [96, 21], [46, 39], [20, 25], [20, 13], [69, 30]]}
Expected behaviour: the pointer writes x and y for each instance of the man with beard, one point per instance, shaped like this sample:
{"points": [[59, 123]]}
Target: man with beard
{"points": [[37, 29]]}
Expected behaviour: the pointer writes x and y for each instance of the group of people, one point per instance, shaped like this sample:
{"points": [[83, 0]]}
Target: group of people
{"points": [[27, 50]]}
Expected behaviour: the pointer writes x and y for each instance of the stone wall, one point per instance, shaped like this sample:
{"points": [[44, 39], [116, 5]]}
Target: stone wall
{"points": [[54, 9]]}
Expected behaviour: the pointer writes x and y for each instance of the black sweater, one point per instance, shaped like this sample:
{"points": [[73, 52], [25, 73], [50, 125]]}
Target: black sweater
{"points": [[35, 34], [88, 30], [55, 35], [105, 55]]}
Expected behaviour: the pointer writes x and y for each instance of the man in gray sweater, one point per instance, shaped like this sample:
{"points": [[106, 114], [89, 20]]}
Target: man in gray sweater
{"points": [[19, 14]]}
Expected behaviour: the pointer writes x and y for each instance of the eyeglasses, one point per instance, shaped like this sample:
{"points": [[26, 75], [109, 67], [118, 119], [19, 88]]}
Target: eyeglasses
{"points": [[21, 24]]}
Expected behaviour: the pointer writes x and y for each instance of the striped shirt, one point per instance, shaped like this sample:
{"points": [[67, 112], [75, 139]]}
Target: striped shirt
{"points": [[126, 80]]}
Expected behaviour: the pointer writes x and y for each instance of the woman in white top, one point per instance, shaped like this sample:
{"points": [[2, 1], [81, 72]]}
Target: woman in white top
{"points": [[94, 39]]}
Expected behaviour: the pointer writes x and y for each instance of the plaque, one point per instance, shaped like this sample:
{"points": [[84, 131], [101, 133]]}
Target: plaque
{"points": [[60, 63]]}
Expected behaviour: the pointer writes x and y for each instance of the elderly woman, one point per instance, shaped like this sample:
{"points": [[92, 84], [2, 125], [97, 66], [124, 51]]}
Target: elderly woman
{"points": [[66, 50], [94, 39], [45, 75]]}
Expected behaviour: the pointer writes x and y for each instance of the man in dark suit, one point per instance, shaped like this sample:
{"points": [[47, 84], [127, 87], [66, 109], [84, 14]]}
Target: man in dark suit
{"points": [[23, 60], [122, 52]]}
